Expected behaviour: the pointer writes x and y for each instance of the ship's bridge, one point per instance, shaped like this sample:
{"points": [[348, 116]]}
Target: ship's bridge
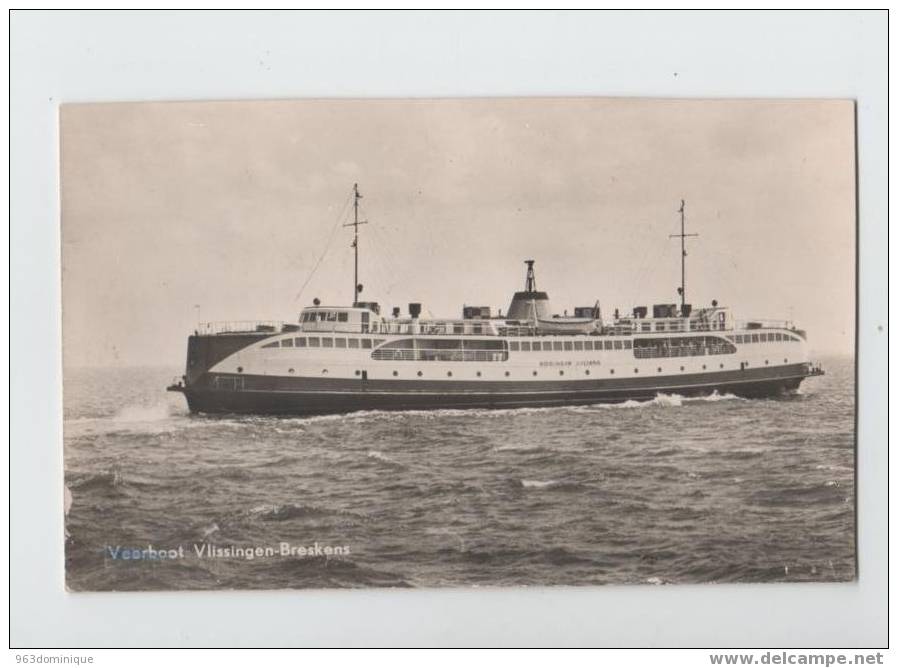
{"points": [[340, 319], [366, 321], [670, 319]]}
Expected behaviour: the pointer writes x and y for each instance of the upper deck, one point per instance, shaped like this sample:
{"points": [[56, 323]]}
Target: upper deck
{"points": [[356, 320]]}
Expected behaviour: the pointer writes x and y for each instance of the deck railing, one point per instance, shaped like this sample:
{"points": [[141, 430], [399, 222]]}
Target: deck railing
{"points": [[239, 327], [467, 328]]}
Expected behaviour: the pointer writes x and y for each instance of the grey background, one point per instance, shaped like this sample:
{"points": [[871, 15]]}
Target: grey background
{"points": [[454, 188], [61, 57]]}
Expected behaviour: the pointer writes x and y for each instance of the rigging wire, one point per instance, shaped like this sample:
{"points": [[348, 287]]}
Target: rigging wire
{"points": [[380, 265], [327, 246], [382, 256], [381, 262], [651, 259]]}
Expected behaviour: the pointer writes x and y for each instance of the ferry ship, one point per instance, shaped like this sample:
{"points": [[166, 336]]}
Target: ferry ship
{"points": [[339, 359]]}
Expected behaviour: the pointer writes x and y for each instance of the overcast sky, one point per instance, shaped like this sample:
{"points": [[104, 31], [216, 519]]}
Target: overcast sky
{"points": [[230, 206]]}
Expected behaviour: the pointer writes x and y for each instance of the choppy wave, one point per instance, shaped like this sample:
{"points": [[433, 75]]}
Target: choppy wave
{"points": [[102, 480], [381, 457], [519, 447], [554, 485], [291, 511], [666, 490], [154, 413], [671, 400], [287, 511], [538, 484], [165, 416], [662, 400], [139, 418], [209, 530]]}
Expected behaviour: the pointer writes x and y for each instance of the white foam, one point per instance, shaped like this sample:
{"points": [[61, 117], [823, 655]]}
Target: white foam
{"points": [[263, 509], [143, 413], [658, 400], [833, 467], [714, 396], [155, 418], [538, 484], [673, 400], [381, 457], [523, 447], [668, 400]]}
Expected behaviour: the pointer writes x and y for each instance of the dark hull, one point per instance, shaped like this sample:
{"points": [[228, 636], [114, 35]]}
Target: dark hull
{"points": [[312, 396]]}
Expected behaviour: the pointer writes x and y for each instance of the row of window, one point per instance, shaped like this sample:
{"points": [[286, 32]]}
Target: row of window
{"points": [[764, 338], [430, 355], [660, 347], [324, 342], [325, 316], [587, 344], [449, 344]]}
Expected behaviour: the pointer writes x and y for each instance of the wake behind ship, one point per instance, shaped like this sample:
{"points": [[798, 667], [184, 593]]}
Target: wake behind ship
{"points": [[338, 359]]}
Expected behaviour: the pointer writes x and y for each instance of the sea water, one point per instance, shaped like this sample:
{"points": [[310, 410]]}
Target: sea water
{"points": [[673, 490]]}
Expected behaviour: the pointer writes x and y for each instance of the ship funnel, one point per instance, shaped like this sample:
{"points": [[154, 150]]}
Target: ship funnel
{"points": [[529, 303], [414, 310]]}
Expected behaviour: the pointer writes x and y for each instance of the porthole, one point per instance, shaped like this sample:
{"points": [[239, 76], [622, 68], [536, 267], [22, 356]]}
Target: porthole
{"points": [[635, 370], [357, 372], [507, 373], [561, 372], [659, 369], [420, 373], [612, 372], [704, 367], [239, 369], [682, 368], [766, 361], [479, 374], [721, 366], [586, 372], [449, 373], [291, 371], [535, 373], [785, 361], [395, 373], [324, 371]]}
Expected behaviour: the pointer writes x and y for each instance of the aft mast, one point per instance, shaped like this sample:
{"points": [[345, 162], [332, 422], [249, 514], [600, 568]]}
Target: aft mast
{"points": [[682, 237], [356, 287]]}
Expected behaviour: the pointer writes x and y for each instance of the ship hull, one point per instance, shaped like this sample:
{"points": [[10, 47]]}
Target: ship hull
{"points": [[270, 395]]}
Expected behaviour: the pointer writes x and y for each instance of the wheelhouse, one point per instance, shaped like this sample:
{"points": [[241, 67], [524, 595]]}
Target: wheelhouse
{"points": [[338, 319]]}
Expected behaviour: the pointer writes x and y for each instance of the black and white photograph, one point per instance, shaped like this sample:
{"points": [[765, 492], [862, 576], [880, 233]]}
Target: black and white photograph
{"points": [[482, 342]]}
